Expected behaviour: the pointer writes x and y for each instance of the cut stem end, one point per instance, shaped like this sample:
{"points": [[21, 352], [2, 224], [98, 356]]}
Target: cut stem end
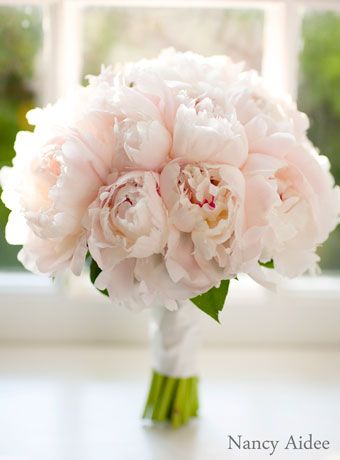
{"points": [[172, 399]]}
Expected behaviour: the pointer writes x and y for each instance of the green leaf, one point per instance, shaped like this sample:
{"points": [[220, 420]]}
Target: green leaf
{"points": [[212, 301], [269, 264], [94, 272]]}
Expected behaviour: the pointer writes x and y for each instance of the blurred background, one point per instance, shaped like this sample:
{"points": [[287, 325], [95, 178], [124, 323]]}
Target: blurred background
{"points": [[284, 345]]}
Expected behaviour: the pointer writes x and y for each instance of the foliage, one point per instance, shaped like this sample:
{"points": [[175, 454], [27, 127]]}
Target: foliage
{"points": [[212, 301], [319, 97], [94, 273], [269, 264]]}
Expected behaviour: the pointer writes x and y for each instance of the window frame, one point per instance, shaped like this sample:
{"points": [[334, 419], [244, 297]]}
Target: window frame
{"points": [[33, 309]]}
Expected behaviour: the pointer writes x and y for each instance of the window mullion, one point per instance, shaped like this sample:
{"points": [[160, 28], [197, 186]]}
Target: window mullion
{"points": [[281, 46], [62, 56]]}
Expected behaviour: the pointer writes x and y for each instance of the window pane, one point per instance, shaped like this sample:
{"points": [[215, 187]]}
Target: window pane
{"points": [[319, 97], [20, 44], [116, 34]]}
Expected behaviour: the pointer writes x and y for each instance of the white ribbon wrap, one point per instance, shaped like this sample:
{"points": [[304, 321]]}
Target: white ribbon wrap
{"points": [[175, 337]]}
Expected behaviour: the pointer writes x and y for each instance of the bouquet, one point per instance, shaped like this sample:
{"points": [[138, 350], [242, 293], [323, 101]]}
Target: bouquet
{"points": [[168, 177]]}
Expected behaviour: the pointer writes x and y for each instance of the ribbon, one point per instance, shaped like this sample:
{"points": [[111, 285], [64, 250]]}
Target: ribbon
{"points": [[175, 338]]}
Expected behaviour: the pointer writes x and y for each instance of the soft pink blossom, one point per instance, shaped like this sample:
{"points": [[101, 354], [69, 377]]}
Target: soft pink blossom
{"points": [[142, 140], [202, 136], [301, 214], [126, 222], [50, 186], [206, 220], [271, 121]]}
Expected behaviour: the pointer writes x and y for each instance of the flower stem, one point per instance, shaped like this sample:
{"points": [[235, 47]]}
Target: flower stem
{"points": [[155, 388], [171, 399], [177, 412]]}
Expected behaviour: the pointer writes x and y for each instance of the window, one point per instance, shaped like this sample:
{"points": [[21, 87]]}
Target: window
{"points": [[47, 46]]}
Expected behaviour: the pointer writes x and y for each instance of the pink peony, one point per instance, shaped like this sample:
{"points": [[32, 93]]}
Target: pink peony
{"points": [[271, 122], [206, 217], [142, 141], [126, 222], [49, 189], [202, 136], [300, 215]]}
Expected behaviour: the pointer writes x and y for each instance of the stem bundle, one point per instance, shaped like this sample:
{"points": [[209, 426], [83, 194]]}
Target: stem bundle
{"points": [[172, 399]]}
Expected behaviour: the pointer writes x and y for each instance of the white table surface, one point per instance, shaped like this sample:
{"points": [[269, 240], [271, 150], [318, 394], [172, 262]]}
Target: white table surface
{"points": [[84, 403]]}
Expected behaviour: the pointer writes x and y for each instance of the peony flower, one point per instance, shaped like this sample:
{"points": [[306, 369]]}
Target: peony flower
{"points": [[142, 140], [51, 184], [126, 222], [148, 84], [272, 122], [205, 206], [191, 69], [302, 214], [141, 144], [200, 136]]}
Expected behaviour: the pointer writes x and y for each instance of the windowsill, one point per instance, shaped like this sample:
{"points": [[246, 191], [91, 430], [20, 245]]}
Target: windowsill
{"points": [[85, 403], [36, 310]]}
